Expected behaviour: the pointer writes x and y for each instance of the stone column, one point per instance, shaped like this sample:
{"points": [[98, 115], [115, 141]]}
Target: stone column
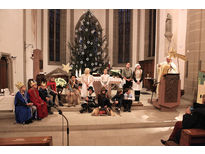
{"points": [[37, 58]]}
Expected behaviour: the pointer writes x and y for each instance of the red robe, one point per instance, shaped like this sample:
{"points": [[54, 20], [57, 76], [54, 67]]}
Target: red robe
{"points": [[42, 110]]}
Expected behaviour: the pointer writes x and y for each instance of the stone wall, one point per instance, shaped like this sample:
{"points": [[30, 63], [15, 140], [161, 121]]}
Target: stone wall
{"points": [[195, 51]]}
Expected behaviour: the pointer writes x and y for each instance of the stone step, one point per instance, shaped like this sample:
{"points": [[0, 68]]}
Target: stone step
{"points": [[41, 128], [77, 108]]}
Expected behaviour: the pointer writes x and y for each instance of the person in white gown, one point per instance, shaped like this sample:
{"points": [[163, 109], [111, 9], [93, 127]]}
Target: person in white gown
{"points": [[87, 81], [105, 81], [166, 67], [137, 81]]}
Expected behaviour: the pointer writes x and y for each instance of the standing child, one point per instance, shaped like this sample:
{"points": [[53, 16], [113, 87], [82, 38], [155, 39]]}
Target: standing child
{"points": [[137, 83], [127, 102]]}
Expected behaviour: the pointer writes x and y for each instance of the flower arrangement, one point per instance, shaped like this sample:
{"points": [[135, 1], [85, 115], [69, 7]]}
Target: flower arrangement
{"points": [[60, 82], [115, 73]]}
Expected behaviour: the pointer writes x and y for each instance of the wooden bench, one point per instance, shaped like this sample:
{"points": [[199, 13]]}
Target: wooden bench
{"points": [[192, 137], [27, 141]]}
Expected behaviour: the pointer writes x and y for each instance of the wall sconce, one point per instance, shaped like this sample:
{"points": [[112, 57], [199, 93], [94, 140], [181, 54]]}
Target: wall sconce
{"points": [[32, 56]]}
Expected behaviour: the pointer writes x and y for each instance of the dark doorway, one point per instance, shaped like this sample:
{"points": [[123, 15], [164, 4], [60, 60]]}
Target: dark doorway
{"points": [[3, 73]]}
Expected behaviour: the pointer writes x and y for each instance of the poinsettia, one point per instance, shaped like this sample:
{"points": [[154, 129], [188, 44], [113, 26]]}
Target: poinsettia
{"points": [[60, 82]]}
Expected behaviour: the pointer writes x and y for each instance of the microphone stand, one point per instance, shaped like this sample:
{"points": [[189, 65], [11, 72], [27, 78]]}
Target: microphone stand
{"points": [[61, 113]]}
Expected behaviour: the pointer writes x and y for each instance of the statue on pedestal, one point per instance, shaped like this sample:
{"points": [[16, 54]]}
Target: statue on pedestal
{"points": [[168, 28]]}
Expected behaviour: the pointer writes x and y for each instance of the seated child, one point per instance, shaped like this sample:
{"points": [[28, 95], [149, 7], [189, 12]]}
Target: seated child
{"points": [[42, 110], [51, 84], [104, 105], [43, 93], [89, 102], [25, 111], [118, 99], [73, 94], [127, 101]]}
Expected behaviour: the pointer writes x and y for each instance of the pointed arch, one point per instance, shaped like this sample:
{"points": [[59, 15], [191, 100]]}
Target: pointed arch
{"points": [[93, 19]]}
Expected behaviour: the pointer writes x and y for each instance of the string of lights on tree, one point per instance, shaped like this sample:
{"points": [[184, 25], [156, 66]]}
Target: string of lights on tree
{"points": [[90, 48]]}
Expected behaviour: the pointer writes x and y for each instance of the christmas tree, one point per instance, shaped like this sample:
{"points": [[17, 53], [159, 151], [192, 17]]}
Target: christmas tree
{"points": [[89, 49]]}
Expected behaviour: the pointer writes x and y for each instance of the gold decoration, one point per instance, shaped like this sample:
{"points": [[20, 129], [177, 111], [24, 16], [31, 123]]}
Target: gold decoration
{"points": [[33, 83], [67, 67], [173, 53], [19, 85]]}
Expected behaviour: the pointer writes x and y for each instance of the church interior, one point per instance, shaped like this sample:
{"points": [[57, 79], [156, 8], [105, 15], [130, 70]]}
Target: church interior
{"points": [[168, 45]]}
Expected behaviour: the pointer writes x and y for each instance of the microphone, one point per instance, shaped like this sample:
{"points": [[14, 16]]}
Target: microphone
{"points": [[61, 113]]}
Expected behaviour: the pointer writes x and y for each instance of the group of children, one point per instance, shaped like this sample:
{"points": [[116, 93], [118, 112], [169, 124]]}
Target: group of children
{"points": [[36, 103], [105, 105]]}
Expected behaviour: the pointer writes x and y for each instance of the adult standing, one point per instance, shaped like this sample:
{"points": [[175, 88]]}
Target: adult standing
{"points": [[127, 76], [87, 81], [137, 81], [166, 67]]}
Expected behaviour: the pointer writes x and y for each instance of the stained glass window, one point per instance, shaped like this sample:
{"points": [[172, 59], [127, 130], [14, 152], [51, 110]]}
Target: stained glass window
{"points": [[54, 35], [124, 26]]}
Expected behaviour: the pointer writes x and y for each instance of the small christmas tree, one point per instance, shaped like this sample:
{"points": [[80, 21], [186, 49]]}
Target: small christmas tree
{"points": [[90, 48]]}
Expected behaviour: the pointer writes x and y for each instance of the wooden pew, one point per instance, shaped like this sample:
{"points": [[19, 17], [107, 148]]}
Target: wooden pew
{"points": [[27, 141], [192, 137]]}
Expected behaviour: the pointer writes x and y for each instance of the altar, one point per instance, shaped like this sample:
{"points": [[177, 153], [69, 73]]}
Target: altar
{"points": [[7, 103], [97, 85]]}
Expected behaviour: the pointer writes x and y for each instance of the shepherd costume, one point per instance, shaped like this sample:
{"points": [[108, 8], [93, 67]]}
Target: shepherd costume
{"points": [[118, 97], [89, 104], [73, 94], [52, 89], [43, 93]]}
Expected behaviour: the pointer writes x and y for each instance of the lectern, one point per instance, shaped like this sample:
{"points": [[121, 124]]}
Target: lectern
{"points": [[169, 92]]}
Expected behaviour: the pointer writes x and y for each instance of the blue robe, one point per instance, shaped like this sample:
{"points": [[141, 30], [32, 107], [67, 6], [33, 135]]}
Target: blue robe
{"points": [[22, 111]]}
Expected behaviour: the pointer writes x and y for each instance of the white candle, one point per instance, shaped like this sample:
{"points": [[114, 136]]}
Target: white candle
{"points": [[76, 73], [80, 72]]}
